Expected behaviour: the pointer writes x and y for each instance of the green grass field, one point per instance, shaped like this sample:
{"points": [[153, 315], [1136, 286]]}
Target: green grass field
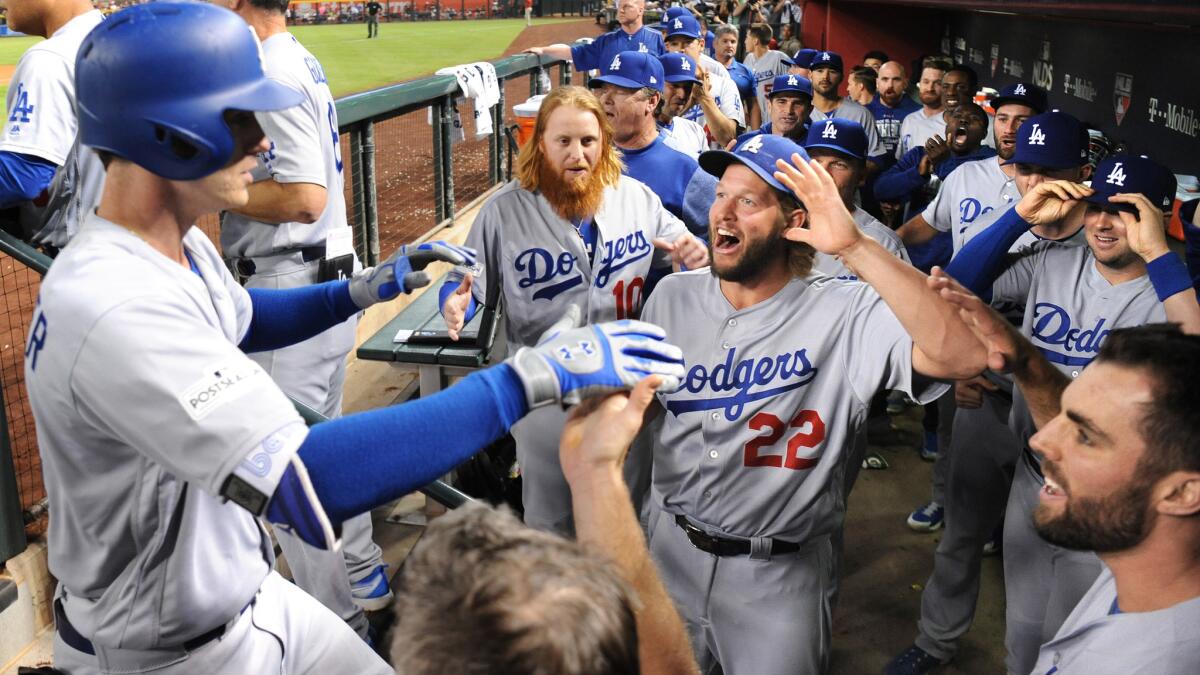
{"points": [[402, 51]]}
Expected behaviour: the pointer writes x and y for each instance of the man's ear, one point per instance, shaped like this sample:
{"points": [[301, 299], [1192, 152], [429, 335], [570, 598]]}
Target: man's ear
{"points": [[798, 218], [1178, 494]]}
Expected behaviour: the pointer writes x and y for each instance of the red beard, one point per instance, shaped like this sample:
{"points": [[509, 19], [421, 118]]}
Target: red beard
{"points": [[573, 200]]}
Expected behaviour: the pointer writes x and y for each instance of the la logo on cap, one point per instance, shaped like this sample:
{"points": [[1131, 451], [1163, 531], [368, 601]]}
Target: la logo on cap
{"points": [[830, 130], [1037, 136], [754, 144], [1020, 90], [792, 81], [1116, 176], [684, 65], [678, 23], [825, 56], [616, 64]]}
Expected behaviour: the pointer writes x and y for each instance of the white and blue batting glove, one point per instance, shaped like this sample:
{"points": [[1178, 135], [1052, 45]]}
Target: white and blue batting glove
{"points": [[569, 365], [403, 272]]}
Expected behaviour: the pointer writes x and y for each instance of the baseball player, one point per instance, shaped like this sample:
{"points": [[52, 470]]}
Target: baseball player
{"points": [[726, 55], [723, 115], [922, 124], [840, 147], [976, 188], [750, 462], [679, 81], [1119, 448], [790, 103], [162, 443], [826, 75], [766, 64], [631, 36], [971, 482], [286, 236], [802, 62], [891, 105], [45, 172], [1073, 297], [570, 230], [630, 90]]}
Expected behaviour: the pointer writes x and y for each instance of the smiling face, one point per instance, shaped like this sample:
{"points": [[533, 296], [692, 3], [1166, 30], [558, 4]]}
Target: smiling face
{"points": [[1095, 498], [929, 88], [787, 111], [746, 225], [1009, 118], [1107, 238], [966, 128], [956, 89]]}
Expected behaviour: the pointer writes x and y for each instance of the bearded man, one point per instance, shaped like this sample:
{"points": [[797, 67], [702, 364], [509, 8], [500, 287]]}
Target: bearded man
{"points": [[569, 230]]}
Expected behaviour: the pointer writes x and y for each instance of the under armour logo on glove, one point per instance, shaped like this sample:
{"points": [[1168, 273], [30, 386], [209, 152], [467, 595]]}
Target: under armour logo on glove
{"points": [[1116, 176], [753, 145], [403, 272], [830, 130], [616, 64], [582, 349]]}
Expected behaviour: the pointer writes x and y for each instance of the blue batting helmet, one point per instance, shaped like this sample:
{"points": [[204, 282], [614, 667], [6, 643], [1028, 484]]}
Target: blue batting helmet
{"points": [[154, 82]]}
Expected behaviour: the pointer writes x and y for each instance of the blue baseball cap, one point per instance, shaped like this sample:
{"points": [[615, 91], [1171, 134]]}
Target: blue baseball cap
{"points": [[835, 133], [826, 60], [1053, 139], [758, 153], [684, 24], [803, 58], [678, 67], [1132, 173], [791, 84], [670, 14], [632, 70], [1023, 93]]}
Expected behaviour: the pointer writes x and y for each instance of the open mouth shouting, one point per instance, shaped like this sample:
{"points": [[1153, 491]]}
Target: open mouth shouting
{"points": [[959, 140], [725, 242]]}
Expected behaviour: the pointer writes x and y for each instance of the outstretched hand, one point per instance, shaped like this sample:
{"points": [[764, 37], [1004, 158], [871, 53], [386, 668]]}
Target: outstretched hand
{"points": [[1004, 345], [687, 252], [600, 430], [830, 228]]}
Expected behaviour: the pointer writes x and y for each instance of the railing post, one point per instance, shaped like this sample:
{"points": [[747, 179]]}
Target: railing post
{"points": [[12, 526], [564, 73], [496, 145], [439, 183], [370, 198], [358, 192], [447, 157]]}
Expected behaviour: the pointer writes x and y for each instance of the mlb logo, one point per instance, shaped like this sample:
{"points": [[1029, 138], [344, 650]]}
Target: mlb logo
{"points": [[616, 64], [1122, 96]]}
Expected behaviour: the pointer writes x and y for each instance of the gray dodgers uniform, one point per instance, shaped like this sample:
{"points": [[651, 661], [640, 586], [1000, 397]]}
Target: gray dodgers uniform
{"points": [[305, 149], [979, 468], [755, 445], [827, 264], [916, 128], [1097, 639], [42, 122], [765, 69], [849, 110], [1069, 308], [972, 189], [542, 268], [145, 406]]}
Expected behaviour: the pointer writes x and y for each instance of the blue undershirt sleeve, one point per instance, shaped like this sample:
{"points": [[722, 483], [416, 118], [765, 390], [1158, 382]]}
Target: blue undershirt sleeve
{"points": [[361, 461], [981, 260], [447, 289], [284, 317], [23, 177], [898, 183]]}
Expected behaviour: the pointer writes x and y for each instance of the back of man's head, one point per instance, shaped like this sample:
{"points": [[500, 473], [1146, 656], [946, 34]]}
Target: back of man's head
{"points": [[271, 5], [482, 593]]}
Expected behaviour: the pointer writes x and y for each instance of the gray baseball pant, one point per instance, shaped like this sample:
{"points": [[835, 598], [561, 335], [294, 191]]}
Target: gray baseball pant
{"points": [[980, 472]]}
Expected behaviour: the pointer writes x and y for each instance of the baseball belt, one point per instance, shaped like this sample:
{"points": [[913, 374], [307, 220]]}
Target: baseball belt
{"points": [[723, 546], [81, 644]]}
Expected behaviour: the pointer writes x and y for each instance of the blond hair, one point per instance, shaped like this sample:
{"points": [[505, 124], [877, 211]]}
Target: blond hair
{"points": [[529, 162]]}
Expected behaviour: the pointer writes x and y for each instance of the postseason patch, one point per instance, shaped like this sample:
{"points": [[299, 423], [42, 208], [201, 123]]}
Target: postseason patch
{"points": [[221, 384]]}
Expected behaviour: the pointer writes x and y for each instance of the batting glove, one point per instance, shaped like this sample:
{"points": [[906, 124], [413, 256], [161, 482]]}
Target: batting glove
{"points": [[402, 273], [570, 364]]}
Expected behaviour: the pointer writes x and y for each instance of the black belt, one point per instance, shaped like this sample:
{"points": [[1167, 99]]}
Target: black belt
{"points": [[723, 546], [81, 644], [246, 266]]}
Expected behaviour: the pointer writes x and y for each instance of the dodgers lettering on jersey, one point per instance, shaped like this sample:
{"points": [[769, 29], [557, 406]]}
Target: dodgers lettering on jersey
{"points": [[972, 190], [754, 442], [542, 265]]}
